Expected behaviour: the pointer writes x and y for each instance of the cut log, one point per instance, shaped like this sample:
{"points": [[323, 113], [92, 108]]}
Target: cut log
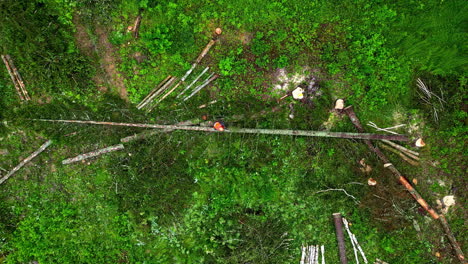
{"points": [[322, 249], [401, 154], [93, 154], [13, 78], [205, 51], [165, 86], [193, 82], [25, 161], [305, 133], [459, 253], [411, 153], [18, 78], [340, 237], [149, 133], [155, 90], [196, 90]]}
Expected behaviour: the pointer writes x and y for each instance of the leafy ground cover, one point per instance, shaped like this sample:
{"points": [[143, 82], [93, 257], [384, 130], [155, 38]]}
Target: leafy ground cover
{"points": [[183, 197]]}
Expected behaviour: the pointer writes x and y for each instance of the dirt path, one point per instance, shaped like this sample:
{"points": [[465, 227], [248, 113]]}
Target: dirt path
{"points": [[107, 75]]}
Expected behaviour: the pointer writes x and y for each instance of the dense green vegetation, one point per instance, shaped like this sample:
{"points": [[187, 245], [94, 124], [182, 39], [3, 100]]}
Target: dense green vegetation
{"points": [[187, 197]]}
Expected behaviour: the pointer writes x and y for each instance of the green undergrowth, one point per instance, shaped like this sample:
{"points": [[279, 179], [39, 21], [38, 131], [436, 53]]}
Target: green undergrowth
{"points": [[193, 197]]}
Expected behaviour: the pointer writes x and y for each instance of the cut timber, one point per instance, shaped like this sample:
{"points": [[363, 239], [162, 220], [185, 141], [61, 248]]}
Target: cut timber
{"points": [[285, 132], [197, 61], [352, 116], [26, 160], [165, 87], [340, 237], [18, 78], [155, 90], [403, 149], [13, 79], [401, 154], [193, 82], [93, 154]]}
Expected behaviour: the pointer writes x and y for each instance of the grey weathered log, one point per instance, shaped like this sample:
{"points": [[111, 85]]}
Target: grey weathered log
{"points": [[337, 219], [13, 78], [286, 132], [387, 164], [93, 154], [25, 161]]}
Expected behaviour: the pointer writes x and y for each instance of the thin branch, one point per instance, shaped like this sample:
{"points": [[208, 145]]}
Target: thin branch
{"points": [[339, 190]]}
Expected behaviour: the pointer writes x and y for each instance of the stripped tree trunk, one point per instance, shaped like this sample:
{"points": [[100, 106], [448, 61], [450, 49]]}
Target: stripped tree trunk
{"points": [[146, 134], [93, 154], [193, 82], [26, 160], [168, 84], [285, 132], [401, 154], [352, 116], [13, 79], [340, 237], [196, 90]]}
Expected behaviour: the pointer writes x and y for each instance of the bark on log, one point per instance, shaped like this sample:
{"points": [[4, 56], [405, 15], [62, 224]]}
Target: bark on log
{"points": [[154, 90], [13, 79], [401, 154], [92, 154], [25, 161], [18, 78], [459, 253], [285, 132], [340, 237]]}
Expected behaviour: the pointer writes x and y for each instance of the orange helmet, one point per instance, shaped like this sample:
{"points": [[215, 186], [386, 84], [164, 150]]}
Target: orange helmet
{"points": [[218, 126]]}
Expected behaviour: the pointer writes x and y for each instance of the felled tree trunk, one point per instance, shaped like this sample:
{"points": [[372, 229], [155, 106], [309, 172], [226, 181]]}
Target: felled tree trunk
{"points": [[13, 79], [25, 161], [285, 132], [340, 237], [19, 80]]}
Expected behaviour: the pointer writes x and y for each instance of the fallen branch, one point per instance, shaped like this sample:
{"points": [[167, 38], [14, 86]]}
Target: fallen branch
{"points": [[286, 132], [352, 116], [26, 160], [372, 124], [401, 154], [354, 242], [340, 190], [340, 237], [93, 154], [136, 26]]}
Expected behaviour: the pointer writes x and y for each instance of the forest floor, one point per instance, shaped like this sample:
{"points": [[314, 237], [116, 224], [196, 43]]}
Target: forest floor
{"points": [[193, 197]]}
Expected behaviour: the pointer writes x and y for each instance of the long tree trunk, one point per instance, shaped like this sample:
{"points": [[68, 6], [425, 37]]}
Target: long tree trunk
{"points": [[25, 161], [155, 89], [286, 132], [387, 164], [340, 237]]}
